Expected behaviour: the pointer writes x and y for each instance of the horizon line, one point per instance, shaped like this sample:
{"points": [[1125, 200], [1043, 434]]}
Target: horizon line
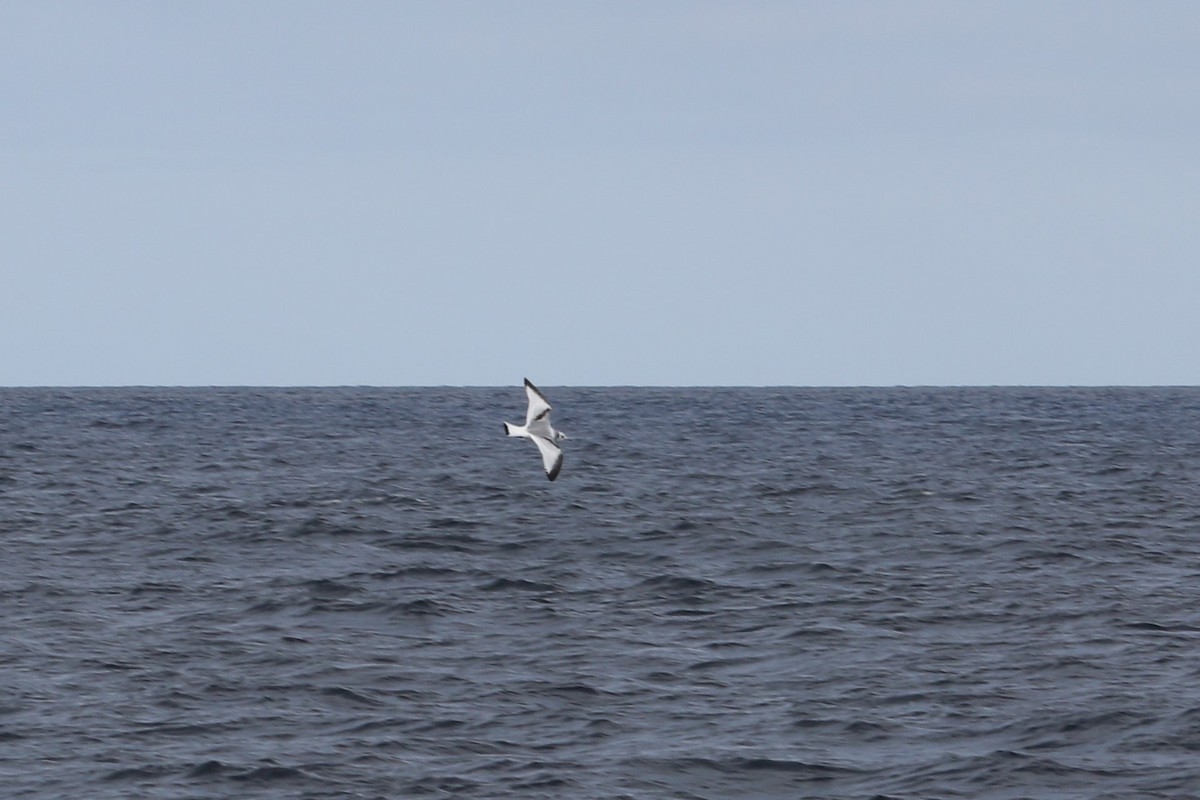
{"points": [[606, 386]]}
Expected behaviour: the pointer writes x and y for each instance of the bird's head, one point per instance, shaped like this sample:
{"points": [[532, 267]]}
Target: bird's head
{"points": [[559, 436]]}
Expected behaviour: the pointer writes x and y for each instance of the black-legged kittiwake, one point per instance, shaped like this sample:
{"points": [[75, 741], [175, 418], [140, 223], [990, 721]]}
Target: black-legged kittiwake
{"points": [[537, 427]]}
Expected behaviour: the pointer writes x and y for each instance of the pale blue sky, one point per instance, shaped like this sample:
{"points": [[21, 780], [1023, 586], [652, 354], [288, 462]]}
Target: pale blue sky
{"points": [[424, 193]]}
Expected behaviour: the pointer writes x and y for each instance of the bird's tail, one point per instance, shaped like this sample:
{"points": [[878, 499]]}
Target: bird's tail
{"points": [[511, 430]]}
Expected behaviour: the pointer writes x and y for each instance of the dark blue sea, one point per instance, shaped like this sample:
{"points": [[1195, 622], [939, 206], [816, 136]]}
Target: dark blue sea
{"points": [[727, 593]]}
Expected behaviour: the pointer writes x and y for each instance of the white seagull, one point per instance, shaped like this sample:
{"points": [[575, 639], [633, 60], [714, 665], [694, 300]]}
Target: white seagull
{"points": [[537, 427]]}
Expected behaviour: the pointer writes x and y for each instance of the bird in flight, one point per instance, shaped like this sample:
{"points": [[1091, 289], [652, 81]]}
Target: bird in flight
{"points": [[537, 427]]}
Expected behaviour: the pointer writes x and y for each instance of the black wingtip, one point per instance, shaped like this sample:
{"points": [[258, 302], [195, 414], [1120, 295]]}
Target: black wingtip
{"points": [[552, 474]]}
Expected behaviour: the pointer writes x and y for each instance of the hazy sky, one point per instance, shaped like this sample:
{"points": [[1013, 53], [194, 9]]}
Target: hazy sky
{"points": [[424, 193]]}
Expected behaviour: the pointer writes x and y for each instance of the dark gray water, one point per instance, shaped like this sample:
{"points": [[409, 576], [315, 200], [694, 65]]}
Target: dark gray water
{"points": [[758, 593]]}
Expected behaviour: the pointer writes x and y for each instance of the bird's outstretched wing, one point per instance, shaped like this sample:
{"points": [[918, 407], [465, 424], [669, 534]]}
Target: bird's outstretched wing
{"points": [[552, 456], [539, 406]]}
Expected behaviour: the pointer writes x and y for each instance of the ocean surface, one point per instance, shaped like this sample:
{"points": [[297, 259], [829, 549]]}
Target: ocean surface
{"points": [[728, 593]]}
